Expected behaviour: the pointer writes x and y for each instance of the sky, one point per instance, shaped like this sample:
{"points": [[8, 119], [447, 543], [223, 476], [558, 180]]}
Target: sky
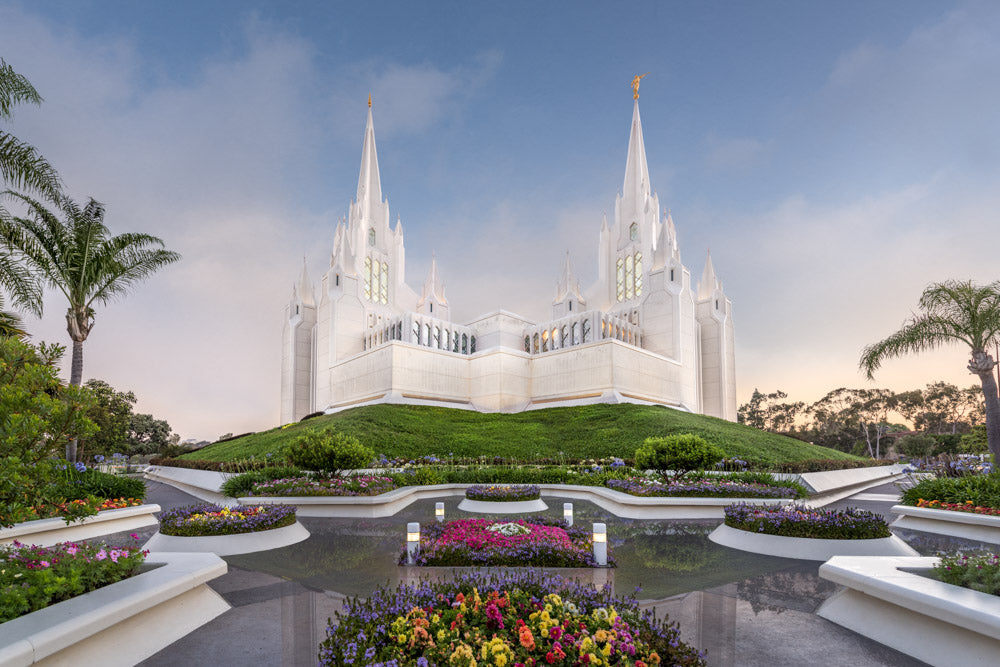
{"points": [[835, 157]]}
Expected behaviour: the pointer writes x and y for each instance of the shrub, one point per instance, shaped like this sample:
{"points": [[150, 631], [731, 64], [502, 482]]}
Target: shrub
{"points": [[980, 572], [980, 490], [679, 453], [798, 521], [974, 442], [916, 446], [32, 578], [241, 485], [208, 519], [947, 443], [328, 451], [78, 485]]}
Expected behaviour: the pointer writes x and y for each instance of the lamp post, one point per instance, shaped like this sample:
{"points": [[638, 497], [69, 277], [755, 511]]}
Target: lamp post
{"points": [[568, 513], [439, 512], [600, 544], [412, 541]]}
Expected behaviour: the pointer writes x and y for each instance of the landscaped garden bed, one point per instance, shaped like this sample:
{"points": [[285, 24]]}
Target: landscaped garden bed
{"points": [[898, 602], [541, 541], [355, 485], [961, 500], [503, 493], [227, 530], [707, 487], [514, 618], [794, 531]]}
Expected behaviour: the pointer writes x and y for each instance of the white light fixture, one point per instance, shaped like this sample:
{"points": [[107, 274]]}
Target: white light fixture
{"points": [[600, 544], [568, 513], [412, 541], [439, 511]]}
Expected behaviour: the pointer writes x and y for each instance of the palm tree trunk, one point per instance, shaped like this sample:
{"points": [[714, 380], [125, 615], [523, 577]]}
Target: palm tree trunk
{"points": [[75, 379], [992, 414]]}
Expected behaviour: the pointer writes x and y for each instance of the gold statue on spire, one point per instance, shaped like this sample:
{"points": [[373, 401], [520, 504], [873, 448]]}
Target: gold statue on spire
{"points": [[369, 100], [635, 85]]}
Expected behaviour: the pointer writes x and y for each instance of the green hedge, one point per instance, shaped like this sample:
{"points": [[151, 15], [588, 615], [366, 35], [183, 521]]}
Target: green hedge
{"points": [[79, 485]]}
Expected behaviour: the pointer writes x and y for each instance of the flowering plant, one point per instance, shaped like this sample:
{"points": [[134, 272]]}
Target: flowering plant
{"points": [[980, 572], [361, 485], [540, 541], [73, 510], [717, 487], [967, 506], [203, 520], [799, 521], [503, 493], [514, 619], [32, 578]]}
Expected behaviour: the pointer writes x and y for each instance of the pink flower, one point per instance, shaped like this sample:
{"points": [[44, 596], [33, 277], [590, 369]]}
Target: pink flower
{"points": [[102, 554], [43, 563], [134, 536]]}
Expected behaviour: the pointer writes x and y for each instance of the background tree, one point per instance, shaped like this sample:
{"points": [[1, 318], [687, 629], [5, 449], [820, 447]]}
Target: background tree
{"points": [[78, 257], [148, 435], [763, 411], [112, 413], [952, 311]]}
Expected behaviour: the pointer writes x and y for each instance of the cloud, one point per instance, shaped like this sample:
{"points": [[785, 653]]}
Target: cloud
{"points": [[738, 153]]}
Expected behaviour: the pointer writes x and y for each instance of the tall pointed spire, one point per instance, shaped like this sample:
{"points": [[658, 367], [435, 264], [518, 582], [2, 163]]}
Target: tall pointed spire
{"points": [[369, 182], [305, 289], [568, 285], [709, 282], [636, 185], [433, 289]]}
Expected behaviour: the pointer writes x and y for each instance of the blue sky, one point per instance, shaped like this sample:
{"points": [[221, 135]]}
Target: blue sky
{"points": [[835, 157]]}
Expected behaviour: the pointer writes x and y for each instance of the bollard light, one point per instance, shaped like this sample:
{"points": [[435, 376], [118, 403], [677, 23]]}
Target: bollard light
{"points": [[439, 511], [412, 541], [568, 513], [600, 544]]}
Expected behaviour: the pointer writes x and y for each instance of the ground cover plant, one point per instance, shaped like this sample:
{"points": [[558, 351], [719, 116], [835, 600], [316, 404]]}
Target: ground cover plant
{"points": [[967, 506], [501, 493], [798, 521], [74, 509], [708, 487], [555, 434], [541, 542], [979, 490], [32, 578], [506, 619], [209, 520], [980, 572], [359, 485]]}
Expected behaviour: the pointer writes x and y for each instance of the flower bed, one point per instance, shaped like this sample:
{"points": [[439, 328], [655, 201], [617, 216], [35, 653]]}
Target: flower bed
{"points": [[74, 509], [543, 542], [516, 618], [504, 493], [980, 489], [708, 487], [366, 485], [798, 521], [980, 572], [209, 520], [32, 578], [967, 506]]}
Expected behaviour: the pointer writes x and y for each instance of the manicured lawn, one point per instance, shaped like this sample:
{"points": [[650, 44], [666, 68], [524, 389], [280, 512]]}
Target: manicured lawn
{"points": [[592, 431]]}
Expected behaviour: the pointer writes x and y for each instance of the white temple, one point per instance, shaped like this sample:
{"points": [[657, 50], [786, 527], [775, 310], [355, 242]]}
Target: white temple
{"points": [[642, 333]]}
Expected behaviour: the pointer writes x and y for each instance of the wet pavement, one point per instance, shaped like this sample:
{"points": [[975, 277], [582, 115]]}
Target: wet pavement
{"points": [[744, 609]]}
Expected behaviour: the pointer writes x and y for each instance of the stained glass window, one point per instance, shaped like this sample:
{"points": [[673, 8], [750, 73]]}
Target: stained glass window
{"points": [[527, 344], [472, 345], [638, 274], [384, 284], [465, 343], [371, 236], [633, 232], [586, 330], [628, 277], [368, 278], [621, 279]]}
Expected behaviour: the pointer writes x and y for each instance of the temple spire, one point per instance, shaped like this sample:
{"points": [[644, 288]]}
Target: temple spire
{"points": [[305, 289], [709, 283], [636, 185], [369, 182]]}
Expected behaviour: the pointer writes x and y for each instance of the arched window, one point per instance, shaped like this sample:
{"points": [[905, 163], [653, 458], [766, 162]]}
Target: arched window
{"points": [[576, 333], [416, 333], [586, 331], [536, 343], [427, 335], [620, 273], [527, 344], [545, 341], [437, 336], [628, 277], [633, 232], [638, 274], [555, 337], [472, 345], [564, 337], [465, 343], [456, 342], [371, 236], [367, 272]]}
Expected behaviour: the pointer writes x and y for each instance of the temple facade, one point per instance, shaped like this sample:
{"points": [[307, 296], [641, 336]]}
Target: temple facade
{"points": [[642, 333]]}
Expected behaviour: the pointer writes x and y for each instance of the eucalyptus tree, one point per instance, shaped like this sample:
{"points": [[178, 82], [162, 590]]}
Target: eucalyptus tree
{"points": [[78, 256], [952, 311]]}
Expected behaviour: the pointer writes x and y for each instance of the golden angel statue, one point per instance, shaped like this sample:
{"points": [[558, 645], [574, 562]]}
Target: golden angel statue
{"points": [[635, 85]]}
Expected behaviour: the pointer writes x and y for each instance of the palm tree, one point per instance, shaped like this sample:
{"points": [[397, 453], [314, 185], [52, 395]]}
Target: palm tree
{"points": [[952, 311], [79, 257], [21, 167]]}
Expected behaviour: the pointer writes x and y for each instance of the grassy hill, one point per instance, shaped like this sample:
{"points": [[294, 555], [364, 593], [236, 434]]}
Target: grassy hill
{"points": [[592, 431]]}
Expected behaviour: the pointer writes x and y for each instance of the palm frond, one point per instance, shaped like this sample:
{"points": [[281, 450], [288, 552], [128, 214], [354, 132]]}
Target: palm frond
{"points": [[14, 89], [23, 167], [920, 334]]}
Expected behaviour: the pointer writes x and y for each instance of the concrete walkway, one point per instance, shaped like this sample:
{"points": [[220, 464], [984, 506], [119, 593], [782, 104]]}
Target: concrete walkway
{"points": [[765, 621]]}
